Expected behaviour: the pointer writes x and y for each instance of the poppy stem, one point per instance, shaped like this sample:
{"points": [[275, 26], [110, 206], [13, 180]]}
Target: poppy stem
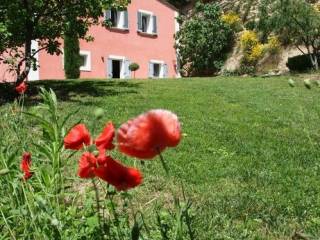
{"points": [[164, 164], [98, 203]]}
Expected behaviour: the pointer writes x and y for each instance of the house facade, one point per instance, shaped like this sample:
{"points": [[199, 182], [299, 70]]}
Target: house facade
{"points": [[143, 33]]}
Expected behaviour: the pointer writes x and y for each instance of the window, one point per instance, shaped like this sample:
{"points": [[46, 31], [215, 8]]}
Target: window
{"points": [[85, 61], [158, 69], [147, 22], [118, 19]]}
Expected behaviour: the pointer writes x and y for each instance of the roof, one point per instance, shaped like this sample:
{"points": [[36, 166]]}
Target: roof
{"points": [[165, 2]]}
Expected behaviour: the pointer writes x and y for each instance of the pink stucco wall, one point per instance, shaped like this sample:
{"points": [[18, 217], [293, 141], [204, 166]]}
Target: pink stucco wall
{"points": [[130, 44]]}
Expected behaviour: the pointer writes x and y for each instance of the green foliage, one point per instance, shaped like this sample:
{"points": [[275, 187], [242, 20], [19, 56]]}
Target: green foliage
{"points": [[300, 63], [134, 67], [53, 203], [295, 21], [203, 40], [72, 60], [249, 162], [233, 20]]}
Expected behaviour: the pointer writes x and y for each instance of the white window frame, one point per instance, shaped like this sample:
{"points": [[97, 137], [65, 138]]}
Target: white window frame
{"points": [[120, 19], [87, 66], [161, 63], [150, 22]]}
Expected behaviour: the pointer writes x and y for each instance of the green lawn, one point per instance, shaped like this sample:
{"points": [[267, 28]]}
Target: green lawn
{"points": [[250, 156]]}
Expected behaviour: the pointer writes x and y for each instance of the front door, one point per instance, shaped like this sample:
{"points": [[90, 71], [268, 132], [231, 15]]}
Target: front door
{"points": [[116, 68]]}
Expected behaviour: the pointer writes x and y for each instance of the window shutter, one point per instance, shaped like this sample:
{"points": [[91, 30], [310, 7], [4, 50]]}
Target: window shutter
{"points": [[107, 15], [155, 26], [151, 70], [165, 70], [125, 19], [139, 21], [127, 72], [109, 68]]}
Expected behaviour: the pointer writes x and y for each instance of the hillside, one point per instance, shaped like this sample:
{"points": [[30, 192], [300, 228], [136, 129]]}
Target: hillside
{"points": [[248, 11]]}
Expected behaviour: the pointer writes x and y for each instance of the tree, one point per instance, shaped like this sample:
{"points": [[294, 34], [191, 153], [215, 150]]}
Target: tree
{"points": [[72, 60], [22, 21], [296, 21], [134, 67], [203, 40]]}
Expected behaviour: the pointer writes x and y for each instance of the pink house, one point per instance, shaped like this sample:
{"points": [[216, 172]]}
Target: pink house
{"points": [[144, 34]]}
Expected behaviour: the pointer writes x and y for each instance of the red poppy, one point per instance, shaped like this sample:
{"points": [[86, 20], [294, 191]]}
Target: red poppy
{"points": [[87, 164], [25, 165], [104, 141], [21, 88], [77, 137], [118, 175], [149, 134]]}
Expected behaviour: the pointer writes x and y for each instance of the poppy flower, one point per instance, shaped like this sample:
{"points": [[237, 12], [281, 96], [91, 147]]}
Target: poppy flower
{"points": [[149, 134], [21, 88], [118, 175], [87, 164], [104, 140], [77, 137], [25, 165]]}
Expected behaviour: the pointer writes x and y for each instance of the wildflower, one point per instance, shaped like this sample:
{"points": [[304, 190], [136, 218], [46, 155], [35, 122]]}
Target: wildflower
{"points": [[77, 137], [87, 164], [118, 175], [21, 88], [149, 134], [25, 165], [104, 140]]}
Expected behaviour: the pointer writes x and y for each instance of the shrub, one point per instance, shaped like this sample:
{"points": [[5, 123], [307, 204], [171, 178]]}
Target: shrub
{"points": [[248, 40], [299, 63], [273, 45], [257, 53], [134, 67], [233, 20], [203, 40]]}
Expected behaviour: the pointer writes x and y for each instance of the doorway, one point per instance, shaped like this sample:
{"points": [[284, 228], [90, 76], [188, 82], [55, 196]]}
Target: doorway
{"points": [[116, 68]]}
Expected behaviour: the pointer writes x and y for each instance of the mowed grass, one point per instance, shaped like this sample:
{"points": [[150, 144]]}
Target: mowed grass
{"points": [[249, 159]]}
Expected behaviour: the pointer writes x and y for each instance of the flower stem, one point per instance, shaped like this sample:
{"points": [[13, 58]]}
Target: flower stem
{"points": [[164, 164], [97, 203]]}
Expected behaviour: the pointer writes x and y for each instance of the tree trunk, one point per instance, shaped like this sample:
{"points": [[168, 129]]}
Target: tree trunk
{"points": [[22, 75], [314, 61]]}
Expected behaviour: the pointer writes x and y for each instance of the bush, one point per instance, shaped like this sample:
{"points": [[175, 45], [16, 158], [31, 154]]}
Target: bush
{"points": [[248, 40], [134, 67], [257, 53], [274, 45], [233, 20], [203, 40], [299, 63]]}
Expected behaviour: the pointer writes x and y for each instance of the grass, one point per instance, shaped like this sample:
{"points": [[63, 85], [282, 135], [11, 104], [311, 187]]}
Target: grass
{"points": [[249, 158]]}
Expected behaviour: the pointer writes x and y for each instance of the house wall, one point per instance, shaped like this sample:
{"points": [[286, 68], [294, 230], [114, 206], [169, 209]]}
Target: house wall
{"points": [[130, 44]]}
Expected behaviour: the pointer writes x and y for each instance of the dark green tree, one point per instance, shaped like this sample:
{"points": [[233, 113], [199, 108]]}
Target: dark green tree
{"points": [[72, 60], [203, 40]]}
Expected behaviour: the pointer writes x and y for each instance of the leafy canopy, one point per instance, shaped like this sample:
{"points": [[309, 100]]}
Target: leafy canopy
{"points": [[203, 40]]}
